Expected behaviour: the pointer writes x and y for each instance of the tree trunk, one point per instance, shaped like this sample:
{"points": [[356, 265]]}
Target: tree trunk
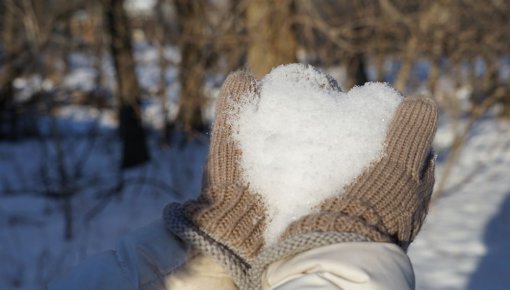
{"points": [[134, 149], [406, 63], [272, 39], [236, 51], [356, 75], [161, 32], [96, 12], [8, 121], [434, 74], [190, 15]]}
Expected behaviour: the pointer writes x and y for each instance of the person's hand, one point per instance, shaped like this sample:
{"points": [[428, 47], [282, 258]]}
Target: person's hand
{"points": [[227, 220], [226, 210], [389, 201]]}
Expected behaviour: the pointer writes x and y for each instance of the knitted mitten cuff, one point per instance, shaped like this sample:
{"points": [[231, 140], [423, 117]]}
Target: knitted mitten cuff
{"points": [[231, 215], [178, 224]]}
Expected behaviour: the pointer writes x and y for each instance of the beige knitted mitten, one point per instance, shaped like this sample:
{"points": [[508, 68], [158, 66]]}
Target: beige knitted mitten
{"points": [[227, 220], [386, 203], [389, 201]]}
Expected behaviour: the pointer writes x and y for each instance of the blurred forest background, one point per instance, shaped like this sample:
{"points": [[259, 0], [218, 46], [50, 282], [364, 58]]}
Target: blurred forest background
{"points": [[105, 105]]}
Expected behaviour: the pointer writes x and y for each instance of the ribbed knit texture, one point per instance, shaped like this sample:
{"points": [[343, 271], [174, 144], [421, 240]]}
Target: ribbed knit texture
{"points": [[389, 201], [224, 153], [227, 220], [231, 215], [178, 224]]}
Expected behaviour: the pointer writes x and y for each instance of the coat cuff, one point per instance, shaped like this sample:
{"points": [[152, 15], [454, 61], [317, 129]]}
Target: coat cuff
{"points": [[354, 266]]}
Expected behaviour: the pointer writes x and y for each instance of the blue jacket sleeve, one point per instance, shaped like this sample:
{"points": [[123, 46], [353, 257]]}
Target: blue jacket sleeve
{"points": [[143, 261]]}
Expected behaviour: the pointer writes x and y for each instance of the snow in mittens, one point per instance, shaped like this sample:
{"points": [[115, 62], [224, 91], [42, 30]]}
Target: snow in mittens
{"points": [[304, 140]]}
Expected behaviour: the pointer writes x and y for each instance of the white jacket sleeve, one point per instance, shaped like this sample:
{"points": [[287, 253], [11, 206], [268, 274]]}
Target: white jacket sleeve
{"points": [[144, 260], [346, 266]]}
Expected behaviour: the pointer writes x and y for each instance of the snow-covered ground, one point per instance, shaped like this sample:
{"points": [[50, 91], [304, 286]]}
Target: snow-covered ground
{"points": [[32, 245], [465, 243]]}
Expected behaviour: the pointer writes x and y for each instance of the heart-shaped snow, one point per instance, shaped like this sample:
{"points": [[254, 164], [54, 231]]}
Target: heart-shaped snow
{"points": [[304, 140]]}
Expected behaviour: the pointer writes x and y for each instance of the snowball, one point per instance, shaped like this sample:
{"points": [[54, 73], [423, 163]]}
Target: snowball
{"points": [[304, 140]]}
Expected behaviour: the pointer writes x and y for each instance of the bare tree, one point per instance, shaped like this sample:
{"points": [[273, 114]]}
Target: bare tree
{"points": [[190, 15], [271, 37], [337, 32], [161, 35], [11, 69], [134, 150]]}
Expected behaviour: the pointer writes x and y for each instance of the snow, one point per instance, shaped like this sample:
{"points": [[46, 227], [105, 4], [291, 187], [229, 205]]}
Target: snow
{"points": [[304, 140]]}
